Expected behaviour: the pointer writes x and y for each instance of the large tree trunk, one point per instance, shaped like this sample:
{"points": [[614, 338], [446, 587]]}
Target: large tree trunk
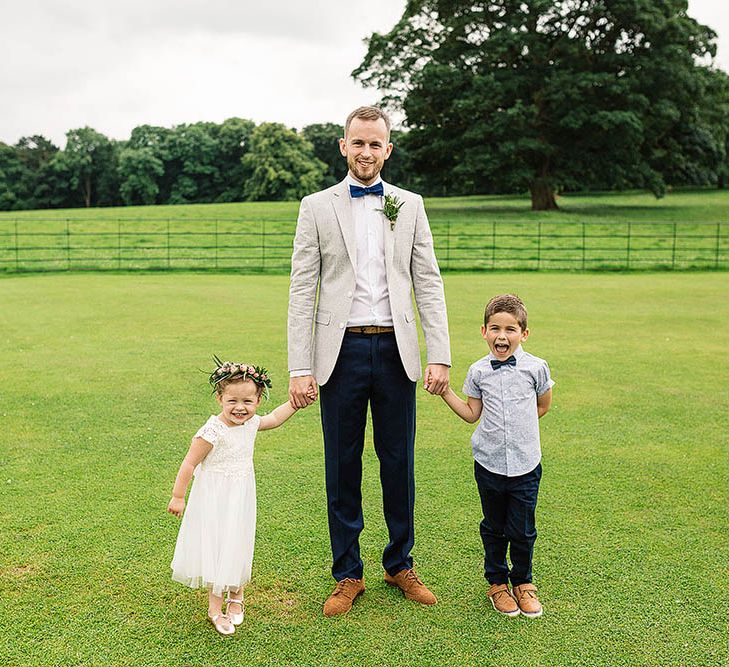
{"points": [[542, 195], [87, 191]]}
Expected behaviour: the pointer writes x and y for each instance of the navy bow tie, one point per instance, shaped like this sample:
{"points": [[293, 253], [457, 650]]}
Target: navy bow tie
{"points": [[511, 361], [358, 191]]}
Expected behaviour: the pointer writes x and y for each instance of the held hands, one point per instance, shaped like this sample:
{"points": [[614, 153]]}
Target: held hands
{"points": [[176, 506], [436, 379], [302, 391]]}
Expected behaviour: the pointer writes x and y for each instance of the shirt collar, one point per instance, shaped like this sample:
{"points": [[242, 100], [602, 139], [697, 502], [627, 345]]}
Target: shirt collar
{"points": [[518, 354], [351, 180]]}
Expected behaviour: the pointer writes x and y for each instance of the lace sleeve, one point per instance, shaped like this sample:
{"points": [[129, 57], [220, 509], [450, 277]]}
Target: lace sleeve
{"points": [[256, 422], [209, 432]]}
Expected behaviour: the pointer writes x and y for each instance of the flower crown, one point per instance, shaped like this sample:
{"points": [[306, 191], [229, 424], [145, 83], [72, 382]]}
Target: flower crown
{"points": [[232, 370]]}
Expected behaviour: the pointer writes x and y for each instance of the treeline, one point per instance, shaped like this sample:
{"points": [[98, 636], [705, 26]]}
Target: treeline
{"points": [[236, 160]]}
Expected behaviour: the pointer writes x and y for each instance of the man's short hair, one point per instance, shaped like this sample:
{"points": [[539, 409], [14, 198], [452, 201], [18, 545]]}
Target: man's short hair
{"points": [[368, 113], [507, 303]]}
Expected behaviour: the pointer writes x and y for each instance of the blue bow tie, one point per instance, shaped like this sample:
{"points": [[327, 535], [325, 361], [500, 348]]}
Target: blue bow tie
{"points": [[511, 361], [358, 191]]}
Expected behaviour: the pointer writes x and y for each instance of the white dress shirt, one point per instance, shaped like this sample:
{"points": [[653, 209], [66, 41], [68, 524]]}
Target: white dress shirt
{"points": [[371, 300]]}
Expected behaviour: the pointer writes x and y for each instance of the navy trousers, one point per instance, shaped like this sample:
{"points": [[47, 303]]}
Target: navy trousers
{"points": [[369, 371], [508, 504]]}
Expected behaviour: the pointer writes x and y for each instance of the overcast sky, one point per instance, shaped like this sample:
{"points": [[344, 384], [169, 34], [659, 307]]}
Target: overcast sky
{"points": [[116, 64]]}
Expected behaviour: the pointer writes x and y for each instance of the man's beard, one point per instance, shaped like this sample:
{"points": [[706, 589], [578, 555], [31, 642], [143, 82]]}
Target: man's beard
{"points": [[372, 172]]}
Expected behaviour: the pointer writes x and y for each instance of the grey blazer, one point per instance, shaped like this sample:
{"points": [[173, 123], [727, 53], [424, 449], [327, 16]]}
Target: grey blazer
{"points": [[324, 260]]}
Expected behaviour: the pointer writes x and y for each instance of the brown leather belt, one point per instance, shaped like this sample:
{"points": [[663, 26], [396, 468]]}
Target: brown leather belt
{"points": [[370, 330]]}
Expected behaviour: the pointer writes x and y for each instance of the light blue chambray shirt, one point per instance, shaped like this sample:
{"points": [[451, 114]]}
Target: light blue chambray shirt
{"points": [[506, 440]]}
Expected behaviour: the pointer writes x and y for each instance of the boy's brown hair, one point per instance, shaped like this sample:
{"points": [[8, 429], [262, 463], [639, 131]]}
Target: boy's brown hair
{"points": [[507, 303]]}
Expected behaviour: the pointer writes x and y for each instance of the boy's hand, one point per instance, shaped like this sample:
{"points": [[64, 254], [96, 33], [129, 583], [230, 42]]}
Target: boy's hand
{"points": [[436, 379], [176, 506]]}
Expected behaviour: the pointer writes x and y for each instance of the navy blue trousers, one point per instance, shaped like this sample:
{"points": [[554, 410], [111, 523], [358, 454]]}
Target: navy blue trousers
{"points": [[508, 504], [369, 371]]}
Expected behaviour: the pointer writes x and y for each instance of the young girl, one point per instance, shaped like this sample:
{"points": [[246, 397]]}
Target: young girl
{"points": [[215, 544]]}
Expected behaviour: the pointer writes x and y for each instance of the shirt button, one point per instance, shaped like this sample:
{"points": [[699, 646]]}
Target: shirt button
{"points": [[349, 294], [341, 325]]}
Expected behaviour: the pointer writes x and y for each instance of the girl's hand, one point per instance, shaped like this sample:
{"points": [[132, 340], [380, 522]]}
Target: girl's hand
{"points": [[176, 506]]}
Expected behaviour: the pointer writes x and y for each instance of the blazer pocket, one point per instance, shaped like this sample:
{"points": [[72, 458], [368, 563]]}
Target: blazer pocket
{"points": [[409, 316], [323, 317]]}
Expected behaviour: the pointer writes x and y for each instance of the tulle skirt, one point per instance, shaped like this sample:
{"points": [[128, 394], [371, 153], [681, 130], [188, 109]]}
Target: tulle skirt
{"points": [[215, 544]]}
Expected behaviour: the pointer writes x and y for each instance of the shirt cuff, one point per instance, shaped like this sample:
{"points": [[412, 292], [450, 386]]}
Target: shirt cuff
{"points": [[298, 374]]}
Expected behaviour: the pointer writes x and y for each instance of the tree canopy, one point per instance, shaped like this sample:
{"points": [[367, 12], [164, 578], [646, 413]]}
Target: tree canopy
{"points": [[189, 163], [506, 95], [281, 165]]}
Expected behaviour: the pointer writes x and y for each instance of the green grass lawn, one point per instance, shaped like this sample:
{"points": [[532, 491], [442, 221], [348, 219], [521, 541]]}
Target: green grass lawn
{"points": [[101, 393], [686, 229]]}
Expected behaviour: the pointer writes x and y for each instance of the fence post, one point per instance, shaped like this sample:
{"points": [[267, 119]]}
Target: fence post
{"points": [[216, 244], [68, 246], [118, 244], [263, 245], [493, 243], [718, 236], [627, 259], [539, 245], [17, 260], [448, 244], [168, 243], [584, 244], [673, 249]]}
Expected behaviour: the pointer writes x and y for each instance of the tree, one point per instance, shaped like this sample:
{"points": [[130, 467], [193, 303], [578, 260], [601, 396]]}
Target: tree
{"points": [[156, 140], [11, 176], [192, 152], [139, 172], [714, 117], [233, 139], [324, 137], [398, 168], [90, 159], [281, 165], [35, 152], [540, 94]]}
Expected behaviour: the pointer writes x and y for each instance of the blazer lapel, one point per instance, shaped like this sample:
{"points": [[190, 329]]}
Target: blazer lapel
{"points": [[389, 233], [343, 211]]}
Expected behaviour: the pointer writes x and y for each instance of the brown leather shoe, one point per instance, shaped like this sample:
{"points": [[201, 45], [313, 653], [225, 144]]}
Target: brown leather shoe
{"points": [[502, 600], [527, 600], [409, 583], [341, 599]]}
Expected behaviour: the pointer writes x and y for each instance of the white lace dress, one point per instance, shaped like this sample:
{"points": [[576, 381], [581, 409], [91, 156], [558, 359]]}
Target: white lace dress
{"points": [[215, 543]]}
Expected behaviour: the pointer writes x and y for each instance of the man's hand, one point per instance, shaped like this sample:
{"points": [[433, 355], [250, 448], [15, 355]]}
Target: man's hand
{"points": [[302, 391], [436, 379]]}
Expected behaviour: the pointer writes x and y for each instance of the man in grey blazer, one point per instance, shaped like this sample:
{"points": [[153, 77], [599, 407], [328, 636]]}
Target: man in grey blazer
{"points": [[352, 332]]}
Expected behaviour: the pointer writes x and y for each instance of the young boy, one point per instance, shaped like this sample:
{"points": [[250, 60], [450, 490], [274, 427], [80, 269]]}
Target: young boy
{"points": [[508, 390]]}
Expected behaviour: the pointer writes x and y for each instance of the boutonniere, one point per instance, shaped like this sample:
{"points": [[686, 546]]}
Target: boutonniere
{"points": [[391, 208]]}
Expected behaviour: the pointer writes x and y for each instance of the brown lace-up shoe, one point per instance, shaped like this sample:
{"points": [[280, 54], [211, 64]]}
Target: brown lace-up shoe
{"points": [[341, 599], [527, 600], [502, 600], [409, 583]]}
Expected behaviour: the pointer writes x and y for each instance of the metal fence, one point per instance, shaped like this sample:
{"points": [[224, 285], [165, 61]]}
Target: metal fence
{"points": [[35, 245]]}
